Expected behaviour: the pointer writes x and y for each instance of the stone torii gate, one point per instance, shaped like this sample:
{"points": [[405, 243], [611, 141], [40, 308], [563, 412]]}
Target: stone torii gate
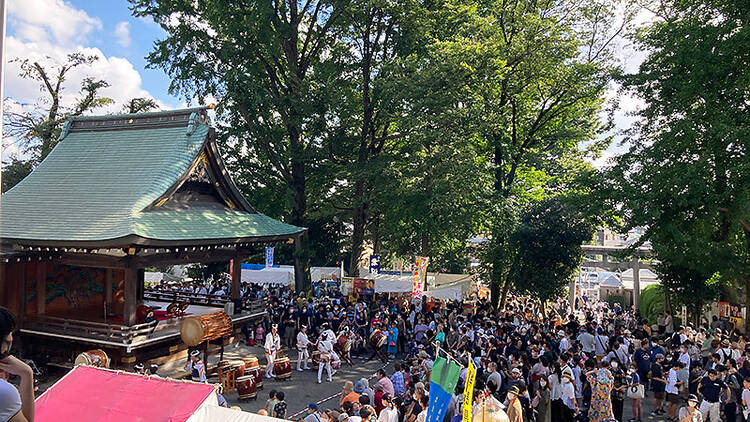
{"points": [[605, 251]]}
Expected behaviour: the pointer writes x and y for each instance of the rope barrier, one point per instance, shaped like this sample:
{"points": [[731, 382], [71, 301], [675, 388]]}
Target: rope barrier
{"points": [[319, 402]]}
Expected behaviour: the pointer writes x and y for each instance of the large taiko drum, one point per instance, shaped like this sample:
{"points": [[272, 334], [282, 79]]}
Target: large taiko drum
{"points": [[240, 368], [197, 329], [172, 308], [377, 338], [144, 314], [282, 368], [246, 388], [343, 343], [252, 367], [95, 357]]}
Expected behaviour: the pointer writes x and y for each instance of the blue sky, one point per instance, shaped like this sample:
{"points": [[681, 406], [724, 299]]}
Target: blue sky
{"points": [[111, 29], [142, 33]]}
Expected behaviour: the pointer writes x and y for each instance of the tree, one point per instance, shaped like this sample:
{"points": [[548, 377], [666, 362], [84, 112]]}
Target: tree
{"points": [[140, 105], [548, 240], [535, 98], [260, 59], [687, 173], [38, 130], [14, 171]]}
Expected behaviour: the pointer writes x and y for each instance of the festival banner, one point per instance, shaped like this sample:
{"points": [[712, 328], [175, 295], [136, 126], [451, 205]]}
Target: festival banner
{"points": [[420, 274], [374, 264], [442, 385], [471, 376], [269, 257]]}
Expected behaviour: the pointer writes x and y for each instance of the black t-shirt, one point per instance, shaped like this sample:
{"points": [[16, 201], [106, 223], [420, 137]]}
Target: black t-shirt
{"points": [[711, 390], [657, 372]]}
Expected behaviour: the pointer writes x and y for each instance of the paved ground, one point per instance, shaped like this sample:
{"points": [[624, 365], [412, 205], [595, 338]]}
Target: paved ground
{"points": [[300, 390]]}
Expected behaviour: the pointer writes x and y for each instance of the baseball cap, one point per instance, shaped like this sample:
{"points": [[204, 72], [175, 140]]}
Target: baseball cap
{"points": [[312, 406]]}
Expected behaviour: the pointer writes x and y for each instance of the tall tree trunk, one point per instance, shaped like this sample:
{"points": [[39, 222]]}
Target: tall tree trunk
{"points": [[506, 288], [299, 209], [375, 230], [424, 244], [359, 225], [667, 303]]}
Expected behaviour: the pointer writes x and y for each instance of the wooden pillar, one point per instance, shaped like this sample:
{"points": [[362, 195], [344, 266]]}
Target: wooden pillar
{"points": [[22, 290], [236, 277], [141, 282], [3, 285], [108, 287], [41, 287], [130, 296]]}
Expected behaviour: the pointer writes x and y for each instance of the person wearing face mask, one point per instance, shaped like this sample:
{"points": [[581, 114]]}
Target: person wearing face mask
{"points": [[568, 396], [543, 402], [16, 404], [690, 413]]}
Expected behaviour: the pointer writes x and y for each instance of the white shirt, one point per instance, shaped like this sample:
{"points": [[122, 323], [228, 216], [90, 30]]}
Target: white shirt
{"points": [[568, 395], [302, 340], [273, 342], [389, 414], [555, 387], [10, 400], [685, 358], [671, 382], [600, 345], [564, 344], [587, 342]]}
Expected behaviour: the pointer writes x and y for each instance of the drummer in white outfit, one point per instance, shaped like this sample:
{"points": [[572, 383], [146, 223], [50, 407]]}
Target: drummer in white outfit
{"points": [[325, 347], [272, 345], [302, 343], [331, 336]]}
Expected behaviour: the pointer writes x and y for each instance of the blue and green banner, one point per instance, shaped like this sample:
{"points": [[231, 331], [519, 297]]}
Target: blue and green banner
{"points": [[442, 385]]}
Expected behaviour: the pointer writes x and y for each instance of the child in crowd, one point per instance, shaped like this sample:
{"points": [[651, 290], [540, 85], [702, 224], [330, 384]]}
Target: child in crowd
{"points": [[271, 402]]}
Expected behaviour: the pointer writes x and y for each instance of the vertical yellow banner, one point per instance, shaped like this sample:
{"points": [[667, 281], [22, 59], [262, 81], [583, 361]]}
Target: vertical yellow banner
{"points": [[471, 376]]}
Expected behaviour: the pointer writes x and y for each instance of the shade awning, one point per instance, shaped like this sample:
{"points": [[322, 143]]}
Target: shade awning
{"points": [[93, 394]]}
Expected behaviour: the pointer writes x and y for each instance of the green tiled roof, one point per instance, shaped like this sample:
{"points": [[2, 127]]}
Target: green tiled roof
{"points": [[93, 187]]}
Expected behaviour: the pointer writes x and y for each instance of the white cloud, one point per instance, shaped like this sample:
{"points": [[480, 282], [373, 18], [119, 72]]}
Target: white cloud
{"points": [[55, 19], [47, 31], [122, 32]]}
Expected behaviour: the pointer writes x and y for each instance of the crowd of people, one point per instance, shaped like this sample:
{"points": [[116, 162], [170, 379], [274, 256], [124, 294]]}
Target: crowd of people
{"points": [[553, 364]]}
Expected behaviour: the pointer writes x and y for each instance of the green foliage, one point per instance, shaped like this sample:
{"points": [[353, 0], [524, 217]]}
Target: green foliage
{"points": [[612, 299], [14, 171], [651, 303], [140, 105], [548, 240], [687, 175], [411, 126], [38, 130]]}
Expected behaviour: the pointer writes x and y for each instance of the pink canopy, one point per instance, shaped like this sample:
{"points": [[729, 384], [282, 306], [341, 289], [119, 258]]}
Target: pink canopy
{"points": [[91, 394]]}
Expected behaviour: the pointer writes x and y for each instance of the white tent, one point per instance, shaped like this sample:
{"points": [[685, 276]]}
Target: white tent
{"points": [[278, 276], [222, 414], [324, 273]]}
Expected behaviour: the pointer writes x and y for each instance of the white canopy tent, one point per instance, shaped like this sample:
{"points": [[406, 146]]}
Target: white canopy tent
{"points": [[223, 414], [274, 276], [440, 286], [324, 273]]}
